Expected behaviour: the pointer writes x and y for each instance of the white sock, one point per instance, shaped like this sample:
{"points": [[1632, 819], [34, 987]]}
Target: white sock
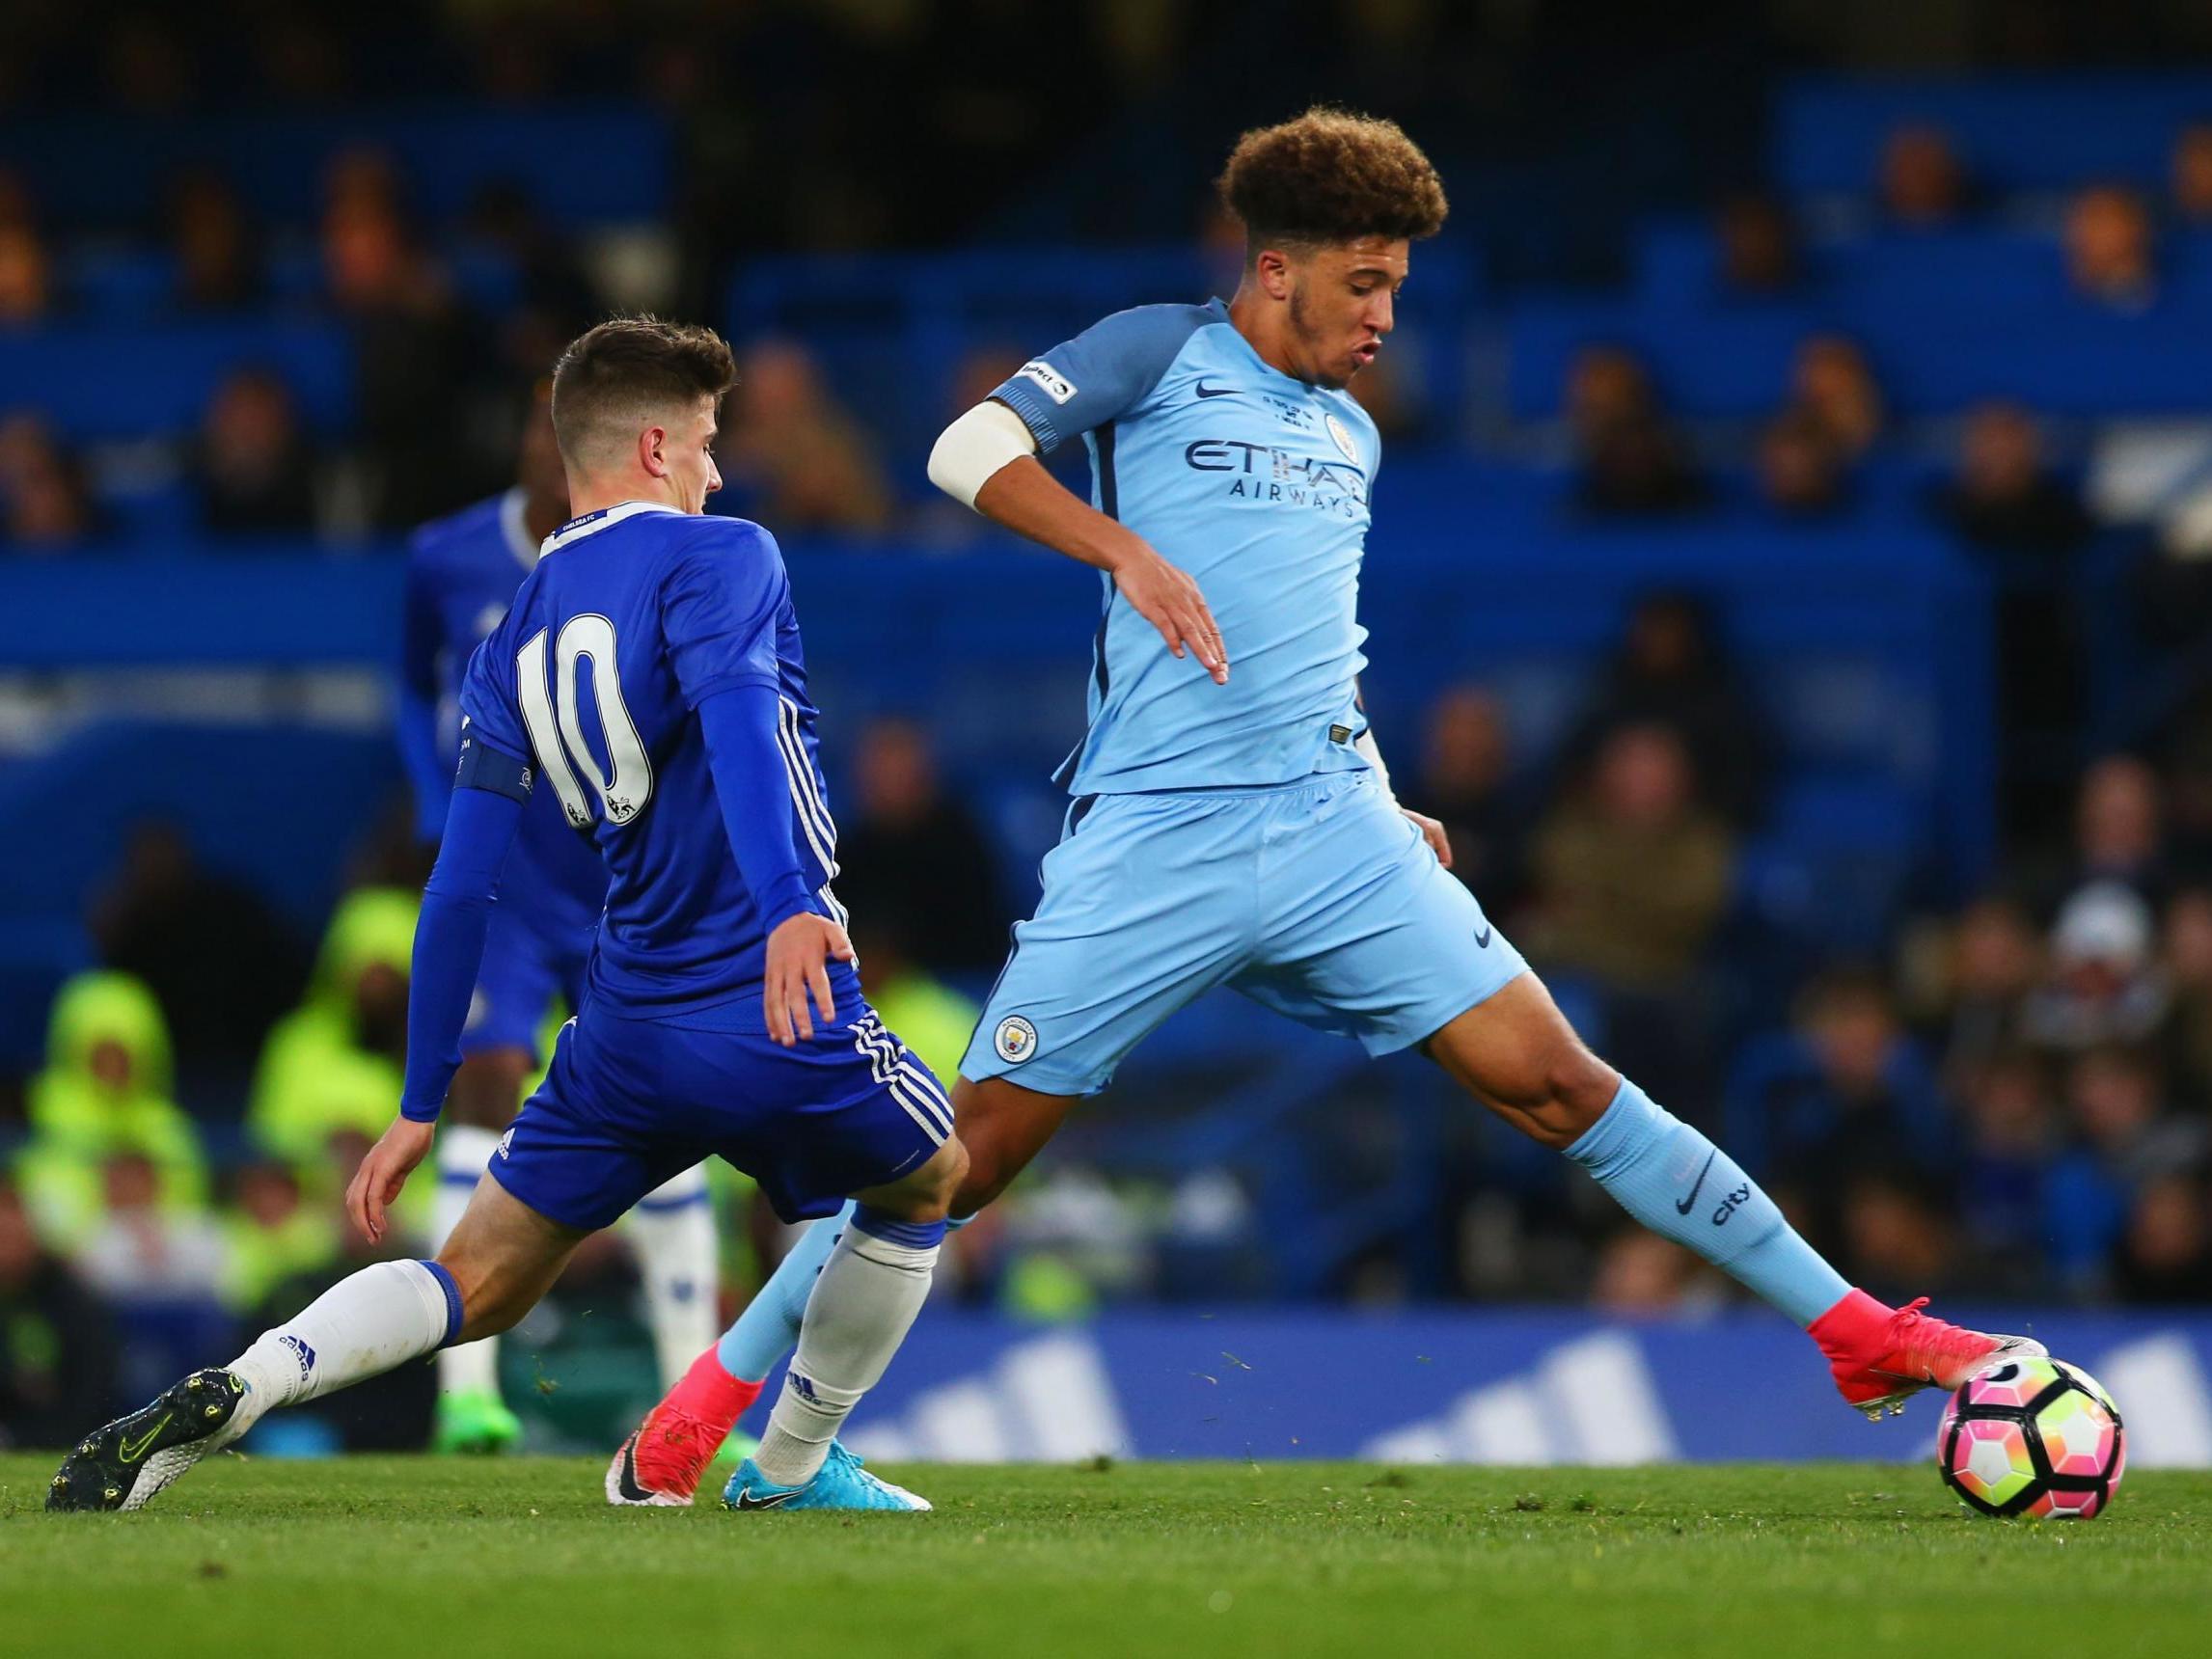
{"points": [[463, 1151], [361, 1327], [673, 1231], [863, 1303]]}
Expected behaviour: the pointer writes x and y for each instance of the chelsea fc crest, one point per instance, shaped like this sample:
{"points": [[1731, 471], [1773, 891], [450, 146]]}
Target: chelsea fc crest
{"points": [[1341, 434], [1016, 1040]]}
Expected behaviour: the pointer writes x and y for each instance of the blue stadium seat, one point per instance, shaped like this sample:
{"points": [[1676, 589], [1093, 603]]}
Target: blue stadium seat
{"points": [[2017, 131], [101, 382], [581, 164], [2073, 359], [120, 285]]}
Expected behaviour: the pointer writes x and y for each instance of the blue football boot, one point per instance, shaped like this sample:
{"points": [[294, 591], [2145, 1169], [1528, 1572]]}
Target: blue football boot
{"points": [[840, 1484]]}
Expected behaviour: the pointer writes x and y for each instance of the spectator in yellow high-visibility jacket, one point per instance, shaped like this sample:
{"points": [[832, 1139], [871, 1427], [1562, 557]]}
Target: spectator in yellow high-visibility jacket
{"points": [[334, 1064], [104, 1094]]}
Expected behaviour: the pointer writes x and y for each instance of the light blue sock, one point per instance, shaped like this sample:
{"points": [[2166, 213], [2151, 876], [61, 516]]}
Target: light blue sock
{"points": [[1681, 1187], [769, 1327]]}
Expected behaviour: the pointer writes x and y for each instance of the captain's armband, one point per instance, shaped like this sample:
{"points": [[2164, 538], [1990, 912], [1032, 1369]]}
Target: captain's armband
{"points": [[483, 767]]}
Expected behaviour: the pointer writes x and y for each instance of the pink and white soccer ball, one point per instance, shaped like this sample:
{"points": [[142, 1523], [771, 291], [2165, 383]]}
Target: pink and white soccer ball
{"points": [[2033, 1436]]}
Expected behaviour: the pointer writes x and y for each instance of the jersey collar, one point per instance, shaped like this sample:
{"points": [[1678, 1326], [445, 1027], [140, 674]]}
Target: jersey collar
{"points": [[1221, 310], [591, 523]]}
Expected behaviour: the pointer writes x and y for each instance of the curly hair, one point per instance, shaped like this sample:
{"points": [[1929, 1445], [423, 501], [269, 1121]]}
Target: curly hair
{"points": [[1330, 176], [627, 369]]}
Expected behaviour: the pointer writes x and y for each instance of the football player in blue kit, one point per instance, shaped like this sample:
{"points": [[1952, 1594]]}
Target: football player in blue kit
{"points": [[649, 674], [1235, 826], [462, 573]]}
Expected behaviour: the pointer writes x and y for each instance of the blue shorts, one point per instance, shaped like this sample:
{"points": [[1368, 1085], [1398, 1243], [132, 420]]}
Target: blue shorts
{"points": [[522, 973], [1320, 900], [629, 1104]]}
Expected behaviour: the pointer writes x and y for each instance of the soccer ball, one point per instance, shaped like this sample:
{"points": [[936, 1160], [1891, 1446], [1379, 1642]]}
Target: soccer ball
{"points": [[2031, 1436]]}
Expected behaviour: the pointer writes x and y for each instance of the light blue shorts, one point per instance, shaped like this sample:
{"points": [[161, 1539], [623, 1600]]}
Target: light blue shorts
{"points": [[1318, 899]]}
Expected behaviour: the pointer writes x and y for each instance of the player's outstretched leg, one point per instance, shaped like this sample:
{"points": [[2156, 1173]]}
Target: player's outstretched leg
{"points": [[862, 1305], [499, 1262], [360, 1326], [1516, 1052], [667, 1455]]}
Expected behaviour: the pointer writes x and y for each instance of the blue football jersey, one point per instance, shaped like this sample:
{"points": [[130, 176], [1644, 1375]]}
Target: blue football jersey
{"points": [[462, 573], [635, 615], [1257, 485]]}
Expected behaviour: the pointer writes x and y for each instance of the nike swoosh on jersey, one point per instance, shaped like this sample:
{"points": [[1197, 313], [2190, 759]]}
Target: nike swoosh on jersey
{"points": [[1483, 939], [1205, 391]]}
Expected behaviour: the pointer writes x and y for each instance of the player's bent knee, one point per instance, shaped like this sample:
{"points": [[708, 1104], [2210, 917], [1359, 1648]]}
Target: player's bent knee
{"points": [[1556, 1098], [927, 1195], [989, 1174], [1003, 1126], [1581, 1086]]}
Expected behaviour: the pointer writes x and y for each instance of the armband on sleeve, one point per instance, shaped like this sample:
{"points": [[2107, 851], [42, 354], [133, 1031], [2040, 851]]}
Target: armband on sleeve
{"points": [[483, 767], [969, 452]]}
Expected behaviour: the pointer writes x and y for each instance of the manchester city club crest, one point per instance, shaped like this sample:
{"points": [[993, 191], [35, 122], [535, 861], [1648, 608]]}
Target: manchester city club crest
{"points": [[1016, 1040], [1342, 435]]}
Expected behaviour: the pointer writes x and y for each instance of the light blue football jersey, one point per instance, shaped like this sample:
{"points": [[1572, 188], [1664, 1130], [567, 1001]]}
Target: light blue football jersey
{"points": [[1257, 485]]}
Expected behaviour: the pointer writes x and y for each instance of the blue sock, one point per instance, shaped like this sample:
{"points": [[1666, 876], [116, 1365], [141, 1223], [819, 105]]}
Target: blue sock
{"points": [[769, 1327], [1681, 1187]]}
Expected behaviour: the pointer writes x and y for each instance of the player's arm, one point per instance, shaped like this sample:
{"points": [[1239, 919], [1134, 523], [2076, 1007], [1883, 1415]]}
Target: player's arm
{"points": [[488, 791], [752, 786], [987, 460], [720, 611], [429, 774], [1432, 829]]}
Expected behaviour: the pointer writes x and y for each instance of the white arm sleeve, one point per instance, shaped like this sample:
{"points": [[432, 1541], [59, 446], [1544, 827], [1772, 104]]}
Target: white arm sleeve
{"points": [[1365, 748], [975, 446]]}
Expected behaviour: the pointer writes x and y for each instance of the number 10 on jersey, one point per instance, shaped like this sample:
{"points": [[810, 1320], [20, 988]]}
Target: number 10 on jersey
{"points": [[557, 734]]}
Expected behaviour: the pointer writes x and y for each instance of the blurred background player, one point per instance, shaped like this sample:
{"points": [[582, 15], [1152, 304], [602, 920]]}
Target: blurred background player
{"points": [[462, 572]]}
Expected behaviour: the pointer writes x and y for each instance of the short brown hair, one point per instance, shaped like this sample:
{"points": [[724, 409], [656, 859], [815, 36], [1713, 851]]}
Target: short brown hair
{"points": [[628, 367], [1330, 176]]}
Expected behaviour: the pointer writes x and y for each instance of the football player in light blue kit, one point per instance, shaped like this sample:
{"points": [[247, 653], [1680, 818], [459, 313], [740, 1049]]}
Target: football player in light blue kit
{"points": [[649, 674], [1231, 821], [462, 573]]}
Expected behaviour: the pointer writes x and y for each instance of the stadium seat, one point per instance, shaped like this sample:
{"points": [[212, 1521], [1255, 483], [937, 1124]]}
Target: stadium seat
{"points": [[102, 382]]}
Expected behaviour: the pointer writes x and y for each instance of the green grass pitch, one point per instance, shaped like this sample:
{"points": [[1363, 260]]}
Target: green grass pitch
{"points": [[407, 1558]]}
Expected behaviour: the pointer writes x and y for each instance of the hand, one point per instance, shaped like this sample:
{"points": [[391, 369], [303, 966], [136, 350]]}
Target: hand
{"points": [[1432, 832], [376, 1184], [799, 953], [1169, 600]]}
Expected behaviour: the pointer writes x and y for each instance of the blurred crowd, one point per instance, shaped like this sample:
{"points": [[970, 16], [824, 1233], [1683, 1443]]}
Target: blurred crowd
{"points": [[2015, 1102], [2009, 1097]]}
